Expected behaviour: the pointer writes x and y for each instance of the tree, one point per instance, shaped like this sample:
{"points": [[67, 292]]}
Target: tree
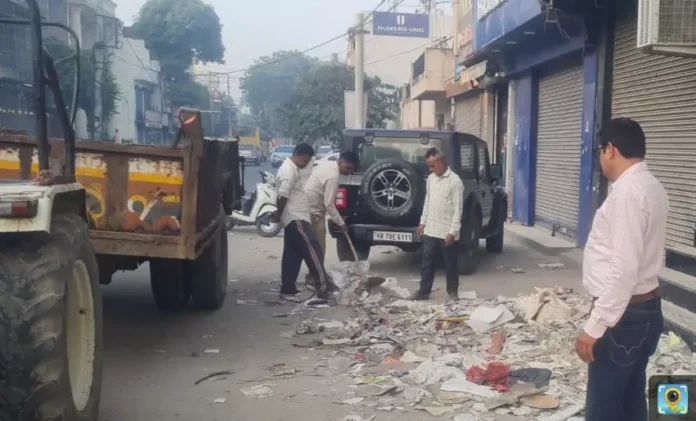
{"points": [[179, 33], [270, 82], [111, 91], [315, 110]]}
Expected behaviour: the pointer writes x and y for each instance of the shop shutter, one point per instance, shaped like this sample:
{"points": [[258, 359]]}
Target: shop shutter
{"points": [[559, 138], [467, 114], [659, 92]]}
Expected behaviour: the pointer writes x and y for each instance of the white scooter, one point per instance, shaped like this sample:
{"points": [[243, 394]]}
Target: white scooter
{"points": [[258, 208]]}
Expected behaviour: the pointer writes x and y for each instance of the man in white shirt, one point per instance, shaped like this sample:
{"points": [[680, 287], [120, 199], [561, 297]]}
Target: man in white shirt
{"points": [[440, 225], [299, 241], [321, 193], [622, 258]]}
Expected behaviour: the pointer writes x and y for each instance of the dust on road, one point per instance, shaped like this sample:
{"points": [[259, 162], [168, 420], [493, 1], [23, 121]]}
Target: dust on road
{"points": [[153, 360]]}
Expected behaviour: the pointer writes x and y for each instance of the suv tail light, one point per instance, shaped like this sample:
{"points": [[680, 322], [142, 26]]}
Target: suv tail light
{"points": [[341, 198]]}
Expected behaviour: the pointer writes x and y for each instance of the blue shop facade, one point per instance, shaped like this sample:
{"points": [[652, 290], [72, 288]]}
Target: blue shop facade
{"points": [[540, 77]]}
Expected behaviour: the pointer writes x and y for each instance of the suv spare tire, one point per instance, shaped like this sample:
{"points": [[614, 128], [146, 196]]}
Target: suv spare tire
{"points": [[394, 191]]}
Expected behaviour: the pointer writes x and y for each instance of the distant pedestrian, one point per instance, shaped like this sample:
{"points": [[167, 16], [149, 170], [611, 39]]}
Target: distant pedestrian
{"points": [[440, 225], [299, 241], [622, 258], [116, 137]]}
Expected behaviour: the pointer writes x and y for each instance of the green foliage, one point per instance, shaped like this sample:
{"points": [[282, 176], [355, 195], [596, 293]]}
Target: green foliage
{"points": [[315, 110], [270, 82], [187, 93], [179, 32], [111, 91]]}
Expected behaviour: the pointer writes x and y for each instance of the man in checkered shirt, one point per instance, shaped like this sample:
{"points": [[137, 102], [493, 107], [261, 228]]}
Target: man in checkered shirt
{"points": [[440, 225]]}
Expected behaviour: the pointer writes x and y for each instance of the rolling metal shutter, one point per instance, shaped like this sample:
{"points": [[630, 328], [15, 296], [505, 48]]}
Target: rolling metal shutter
{"points": [[467, 114], [559, 138], [660, 93]]}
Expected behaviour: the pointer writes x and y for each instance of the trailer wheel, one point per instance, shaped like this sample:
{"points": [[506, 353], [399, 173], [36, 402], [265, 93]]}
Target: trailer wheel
{"points": [[168, 283], [51, 352], [208, 273]]}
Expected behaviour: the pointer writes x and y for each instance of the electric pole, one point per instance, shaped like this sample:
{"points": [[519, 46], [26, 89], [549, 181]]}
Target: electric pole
{"points": [[359, 64]]}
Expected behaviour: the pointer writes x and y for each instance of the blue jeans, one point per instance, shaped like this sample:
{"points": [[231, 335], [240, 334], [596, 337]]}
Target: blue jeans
{"points": [[616, 382]]}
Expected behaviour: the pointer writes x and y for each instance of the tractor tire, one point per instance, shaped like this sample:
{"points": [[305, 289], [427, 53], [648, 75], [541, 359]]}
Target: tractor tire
{"points": [[208, 273], [168, 283], [51, 350]]}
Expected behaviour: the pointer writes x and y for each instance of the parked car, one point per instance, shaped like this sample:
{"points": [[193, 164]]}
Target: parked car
{"points": [[333, 156], [382, 200], [250, 154], [280, 153], [323, 151]]}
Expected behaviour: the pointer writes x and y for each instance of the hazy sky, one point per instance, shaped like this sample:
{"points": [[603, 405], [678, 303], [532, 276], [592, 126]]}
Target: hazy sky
{"points": [[254, 28]]}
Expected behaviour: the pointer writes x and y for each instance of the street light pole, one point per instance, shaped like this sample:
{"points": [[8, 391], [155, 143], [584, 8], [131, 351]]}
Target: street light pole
{"points": [[359, 64]]}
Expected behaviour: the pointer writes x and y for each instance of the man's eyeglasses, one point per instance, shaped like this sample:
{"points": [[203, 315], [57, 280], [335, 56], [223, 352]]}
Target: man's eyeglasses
{"points": [[598, 150]]}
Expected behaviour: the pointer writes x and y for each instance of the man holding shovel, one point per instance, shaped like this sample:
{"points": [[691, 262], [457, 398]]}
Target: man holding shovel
{"points": [[321, 196], [299, 241]]}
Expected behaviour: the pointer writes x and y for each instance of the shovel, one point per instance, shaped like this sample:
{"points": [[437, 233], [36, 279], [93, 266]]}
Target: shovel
{"points": [[366, 282]]}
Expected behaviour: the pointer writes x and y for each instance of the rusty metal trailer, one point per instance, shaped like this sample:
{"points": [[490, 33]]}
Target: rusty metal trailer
{"points": [[164, 205]]}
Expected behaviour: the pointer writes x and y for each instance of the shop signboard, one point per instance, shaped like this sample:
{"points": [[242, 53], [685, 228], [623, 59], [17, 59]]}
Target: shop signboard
{"points": [[412, 25]]}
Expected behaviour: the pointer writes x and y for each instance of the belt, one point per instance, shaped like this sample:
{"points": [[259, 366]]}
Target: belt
{"points": [[640, 298]]}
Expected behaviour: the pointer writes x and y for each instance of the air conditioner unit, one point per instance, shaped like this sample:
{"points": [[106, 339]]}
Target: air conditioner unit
{"points": [[667, 27]]}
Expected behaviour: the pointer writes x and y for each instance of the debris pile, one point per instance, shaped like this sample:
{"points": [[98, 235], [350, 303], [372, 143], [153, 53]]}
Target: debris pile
{"points": [[474, 360]]}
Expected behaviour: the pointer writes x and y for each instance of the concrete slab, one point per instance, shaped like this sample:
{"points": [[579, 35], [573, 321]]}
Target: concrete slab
{"points": [[540, 238], [681, 321]]}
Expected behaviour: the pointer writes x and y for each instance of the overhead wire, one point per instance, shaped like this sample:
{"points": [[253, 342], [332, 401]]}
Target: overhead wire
{"points": [[429, 43]]}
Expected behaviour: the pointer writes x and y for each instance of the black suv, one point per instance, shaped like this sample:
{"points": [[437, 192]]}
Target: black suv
{"points": [[382, 200]]}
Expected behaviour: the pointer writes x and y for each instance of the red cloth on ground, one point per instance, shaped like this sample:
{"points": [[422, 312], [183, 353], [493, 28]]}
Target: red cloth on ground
{"points": [[496, 375]]}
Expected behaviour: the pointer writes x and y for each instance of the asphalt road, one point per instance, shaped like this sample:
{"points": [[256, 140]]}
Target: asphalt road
{"points": [[153, 360]]}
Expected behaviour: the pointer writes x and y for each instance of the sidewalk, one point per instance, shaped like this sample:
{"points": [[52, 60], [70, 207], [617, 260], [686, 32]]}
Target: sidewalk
{"points": [[678, 290], [541, 240]]}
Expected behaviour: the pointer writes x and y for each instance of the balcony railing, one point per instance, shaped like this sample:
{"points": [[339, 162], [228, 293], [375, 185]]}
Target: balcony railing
{"points": [[438, 69]]}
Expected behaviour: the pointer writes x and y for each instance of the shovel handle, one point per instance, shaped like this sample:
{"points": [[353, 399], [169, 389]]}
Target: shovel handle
{"points": [[350, 243]]}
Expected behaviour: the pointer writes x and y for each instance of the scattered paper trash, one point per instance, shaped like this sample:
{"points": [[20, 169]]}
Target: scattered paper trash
{"points": [[219, 401], [241, 301], [211, 351], [551, 266], [484, 318], [467, 295], [258, 392]]}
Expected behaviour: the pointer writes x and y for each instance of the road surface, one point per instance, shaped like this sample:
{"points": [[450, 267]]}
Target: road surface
{"points": [[153, 360]]}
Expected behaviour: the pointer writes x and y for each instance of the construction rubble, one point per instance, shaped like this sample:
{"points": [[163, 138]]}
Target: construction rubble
{"points": [[501, 359]]}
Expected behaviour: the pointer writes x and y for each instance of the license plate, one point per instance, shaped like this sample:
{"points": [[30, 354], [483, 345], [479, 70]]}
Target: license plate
{"points": [[399, 237]]}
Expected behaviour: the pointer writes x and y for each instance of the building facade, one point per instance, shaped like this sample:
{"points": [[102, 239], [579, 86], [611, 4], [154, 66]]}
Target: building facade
{"points": [[416, 62], [537, 79], [141, 114]]}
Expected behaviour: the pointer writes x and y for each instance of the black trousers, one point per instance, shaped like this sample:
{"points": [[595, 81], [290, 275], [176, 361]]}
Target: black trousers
{"points": [[300, 244], [432, 249]]}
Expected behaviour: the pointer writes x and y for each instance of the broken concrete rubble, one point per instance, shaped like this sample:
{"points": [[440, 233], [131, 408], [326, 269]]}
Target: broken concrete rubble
{"points": [[406, 356]]}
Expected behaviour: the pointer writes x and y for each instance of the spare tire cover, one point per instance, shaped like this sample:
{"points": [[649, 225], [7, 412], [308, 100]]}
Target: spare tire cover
{"points": [[394, 191]]}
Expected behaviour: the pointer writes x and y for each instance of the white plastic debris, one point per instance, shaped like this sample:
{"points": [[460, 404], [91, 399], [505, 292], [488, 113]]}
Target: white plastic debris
{"points": [[468, 295], [212, 351], [393, 285], [544, 306], [430, 372], [219, 401], [258, 392], [551, 266], [462, 385], [483, 319]]}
